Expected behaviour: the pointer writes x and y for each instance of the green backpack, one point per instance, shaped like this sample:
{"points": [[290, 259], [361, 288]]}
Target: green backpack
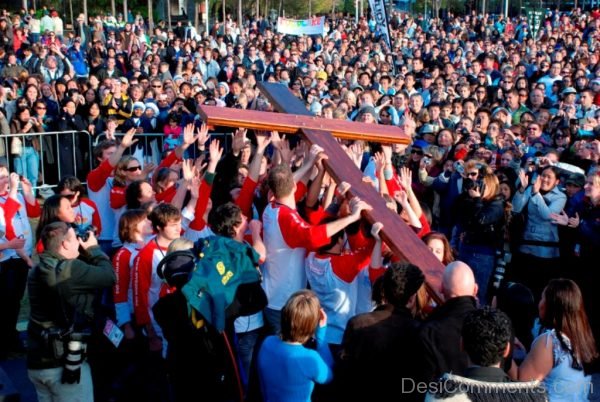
{"points": [[225, 283]]}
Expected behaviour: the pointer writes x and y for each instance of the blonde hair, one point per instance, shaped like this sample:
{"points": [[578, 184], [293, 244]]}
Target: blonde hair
{"points": [[300, 316], [120, 178]]}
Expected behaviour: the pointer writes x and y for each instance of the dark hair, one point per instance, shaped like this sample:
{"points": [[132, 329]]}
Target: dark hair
{"points": [[133, 193], [400, 281], [49, 213], [224, 219], [565, 313], [101, 147], [69, 183], [485, 333], [163, 214], [53, 234], [517, 301]]}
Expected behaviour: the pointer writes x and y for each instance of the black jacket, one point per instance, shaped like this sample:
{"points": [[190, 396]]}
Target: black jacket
{"points": [[373, 343], [482, 222], [439, 339], [76, 282]]}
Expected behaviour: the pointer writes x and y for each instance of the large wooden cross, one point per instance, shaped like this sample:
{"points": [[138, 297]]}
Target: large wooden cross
{"points": [[295, 118]]}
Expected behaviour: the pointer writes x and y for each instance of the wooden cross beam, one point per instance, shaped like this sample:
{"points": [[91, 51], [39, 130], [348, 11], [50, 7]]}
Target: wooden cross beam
{"points": [[292, 123], [399, 237]]}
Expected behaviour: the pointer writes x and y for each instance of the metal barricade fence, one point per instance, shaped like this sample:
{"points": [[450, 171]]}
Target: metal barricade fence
{"points": [[150, 146], [52, 155], [48, 156]]}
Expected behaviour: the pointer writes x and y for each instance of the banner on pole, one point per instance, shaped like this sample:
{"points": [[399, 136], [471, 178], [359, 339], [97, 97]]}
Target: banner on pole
{"points": [[312, 26], [380, 14]]}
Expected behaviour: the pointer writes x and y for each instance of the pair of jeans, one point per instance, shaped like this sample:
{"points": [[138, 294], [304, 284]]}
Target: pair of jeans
{"points": [[49, 388], [482, 260], [28, 164]]}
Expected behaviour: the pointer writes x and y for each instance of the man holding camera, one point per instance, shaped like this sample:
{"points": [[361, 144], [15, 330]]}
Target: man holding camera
{"points": [[62, 289]]}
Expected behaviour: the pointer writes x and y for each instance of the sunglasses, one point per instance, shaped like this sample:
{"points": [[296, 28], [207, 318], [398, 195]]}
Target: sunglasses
{"points": [[133, 168], [417, 151], [472, 174], [71, 196], [156, 86]]}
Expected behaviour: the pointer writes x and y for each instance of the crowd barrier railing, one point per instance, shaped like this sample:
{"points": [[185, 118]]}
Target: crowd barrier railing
{"points": [[53, 154], [56, 154]]}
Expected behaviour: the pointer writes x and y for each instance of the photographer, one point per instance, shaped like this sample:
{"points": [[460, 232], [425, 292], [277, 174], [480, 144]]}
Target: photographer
{"points": [[480, 221], [62, 289]]}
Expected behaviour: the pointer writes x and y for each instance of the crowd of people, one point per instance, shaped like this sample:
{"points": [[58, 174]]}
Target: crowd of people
{"points": [[500, 181]]}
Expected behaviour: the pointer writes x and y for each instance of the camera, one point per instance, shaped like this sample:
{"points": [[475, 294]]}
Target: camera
{"points": [[427, 161], [84, 233], [76, 347], [470, 184], [458, 167]]}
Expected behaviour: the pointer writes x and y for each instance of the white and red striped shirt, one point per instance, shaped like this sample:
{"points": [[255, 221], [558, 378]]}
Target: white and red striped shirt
{"points": [[287, 237], [123, 261], [146, 284], [16, 217], [100, 183]]}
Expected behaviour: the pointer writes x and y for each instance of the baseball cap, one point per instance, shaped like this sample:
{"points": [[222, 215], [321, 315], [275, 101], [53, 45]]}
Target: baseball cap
{"points": [[569, 90], [322, 75], [576, 179]]}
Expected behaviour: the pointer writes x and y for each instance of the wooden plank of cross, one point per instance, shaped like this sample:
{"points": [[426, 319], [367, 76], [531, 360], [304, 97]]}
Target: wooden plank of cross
{"points": [[398, 236]]}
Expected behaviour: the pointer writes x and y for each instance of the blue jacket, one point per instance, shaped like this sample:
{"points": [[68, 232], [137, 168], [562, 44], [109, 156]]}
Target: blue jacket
{"points": [[539, 224]]}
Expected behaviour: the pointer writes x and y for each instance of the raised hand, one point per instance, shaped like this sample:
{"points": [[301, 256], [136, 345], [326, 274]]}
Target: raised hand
{"points": [[406, 178], [523, 179], [375, 229], [14, 180], [202, 136], [285, 152], [356, 153], [277, 140], [239, 140], [188, 135], [26, 185], [187, 169], [379, 159], [262, 140], [128, 139], [401, 197], [537, 184], [215, 152]]}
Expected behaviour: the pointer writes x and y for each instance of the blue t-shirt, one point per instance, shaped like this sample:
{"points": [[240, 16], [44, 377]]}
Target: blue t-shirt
{"points": [[288, 372]]}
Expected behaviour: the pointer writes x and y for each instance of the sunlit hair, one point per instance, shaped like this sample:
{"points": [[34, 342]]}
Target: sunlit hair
{"points": [[120, 178], [300, 316], [565, 313]]}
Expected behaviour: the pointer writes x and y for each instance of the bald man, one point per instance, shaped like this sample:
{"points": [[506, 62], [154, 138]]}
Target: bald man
{"points": [[440, 334]]}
